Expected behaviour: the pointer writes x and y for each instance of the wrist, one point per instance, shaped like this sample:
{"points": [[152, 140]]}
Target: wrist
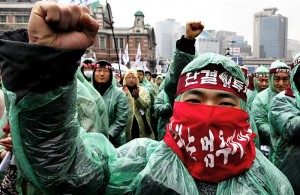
{"points": [[189, 37], [186, 45]]}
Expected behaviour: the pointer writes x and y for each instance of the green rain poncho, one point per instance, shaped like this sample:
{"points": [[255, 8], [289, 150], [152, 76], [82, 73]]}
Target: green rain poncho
{"points": [[261, 106], [252, 93], [284, 116], [57, 156], [91, 108], [151, 159], [163, 111], [118, 111]]}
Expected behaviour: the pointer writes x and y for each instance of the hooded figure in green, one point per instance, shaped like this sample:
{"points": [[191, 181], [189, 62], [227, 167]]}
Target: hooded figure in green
{"points": [[158, 81], [163, 111], [210, 88], [278, 81], [115, 100], [91, 108], [260, 82], [285, 121], [86, 68]]}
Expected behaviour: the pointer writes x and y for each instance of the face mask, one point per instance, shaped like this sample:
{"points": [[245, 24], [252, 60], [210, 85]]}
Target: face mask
{"points": [[88, 73], [213, 142]]}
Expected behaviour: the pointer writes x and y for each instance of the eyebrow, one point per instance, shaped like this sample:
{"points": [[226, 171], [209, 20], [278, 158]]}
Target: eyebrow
{"points": [[194, 92], [219, 95], [283, 77], [226, 95]]}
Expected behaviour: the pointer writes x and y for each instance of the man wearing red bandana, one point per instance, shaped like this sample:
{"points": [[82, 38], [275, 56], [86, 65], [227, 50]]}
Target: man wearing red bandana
{"points": [[210, 130], [207, 149], [278, 81]]}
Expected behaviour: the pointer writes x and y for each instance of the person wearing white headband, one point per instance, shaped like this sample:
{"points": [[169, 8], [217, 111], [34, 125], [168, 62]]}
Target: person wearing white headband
{"points": [[285, 120], [278, 81], [260, 83], [116, 103]]}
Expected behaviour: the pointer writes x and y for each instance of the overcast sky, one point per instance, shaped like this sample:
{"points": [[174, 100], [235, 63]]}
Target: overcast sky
{"points": [[228, 15]]}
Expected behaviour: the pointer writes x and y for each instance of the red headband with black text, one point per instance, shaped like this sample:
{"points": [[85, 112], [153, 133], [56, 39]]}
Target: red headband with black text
{"points": [[217, 78]]}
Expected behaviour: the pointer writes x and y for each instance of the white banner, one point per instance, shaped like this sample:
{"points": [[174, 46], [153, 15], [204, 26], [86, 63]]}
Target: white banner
{"points": [[125, 56], [77, 2]]}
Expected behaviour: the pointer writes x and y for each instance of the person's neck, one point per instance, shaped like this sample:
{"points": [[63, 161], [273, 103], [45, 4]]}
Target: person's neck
{"points": [[102, 87]]}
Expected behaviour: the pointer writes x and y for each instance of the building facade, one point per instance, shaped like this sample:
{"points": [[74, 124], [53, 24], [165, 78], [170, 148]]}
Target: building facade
{"points": [[167, 33], [233, 44], [270, 34], [293, 48], [108, 41], [207, 42], [15, 14]]}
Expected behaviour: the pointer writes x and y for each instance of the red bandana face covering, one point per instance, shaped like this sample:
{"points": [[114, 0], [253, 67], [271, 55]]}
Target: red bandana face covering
{"points": [[214, 143]]}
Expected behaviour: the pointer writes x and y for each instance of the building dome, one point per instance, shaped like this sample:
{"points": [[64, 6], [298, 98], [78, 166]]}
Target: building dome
{"points": [[139, 13]]}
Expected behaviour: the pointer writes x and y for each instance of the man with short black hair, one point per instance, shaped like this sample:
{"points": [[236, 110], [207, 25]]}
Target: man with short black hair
{"points": [[115, 100]]}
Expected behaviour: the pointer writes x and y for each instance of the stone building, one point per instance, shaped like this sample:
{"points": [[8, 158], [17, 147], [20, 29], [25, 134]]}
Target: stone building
{"points": [[14, 14]]}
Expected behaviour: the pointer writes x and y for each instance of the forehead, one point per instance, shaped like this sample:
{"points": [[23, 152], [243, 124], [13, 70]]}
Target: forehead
{"points": [[101, 68], [262, 78], [131, 75], [281, 74], [209, 93]]}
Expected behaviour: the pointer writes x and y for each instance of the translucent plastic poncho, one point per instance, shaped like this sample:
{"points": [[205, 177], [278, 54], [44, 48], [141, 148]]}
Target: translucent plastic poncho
{"points": [[52, 150]]}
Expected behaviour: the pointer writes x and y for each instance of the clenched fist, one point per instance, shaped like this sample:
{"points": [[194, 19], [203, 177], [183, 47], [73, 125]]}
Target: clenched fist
{"points": [[69, 27], [193, 29]]}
